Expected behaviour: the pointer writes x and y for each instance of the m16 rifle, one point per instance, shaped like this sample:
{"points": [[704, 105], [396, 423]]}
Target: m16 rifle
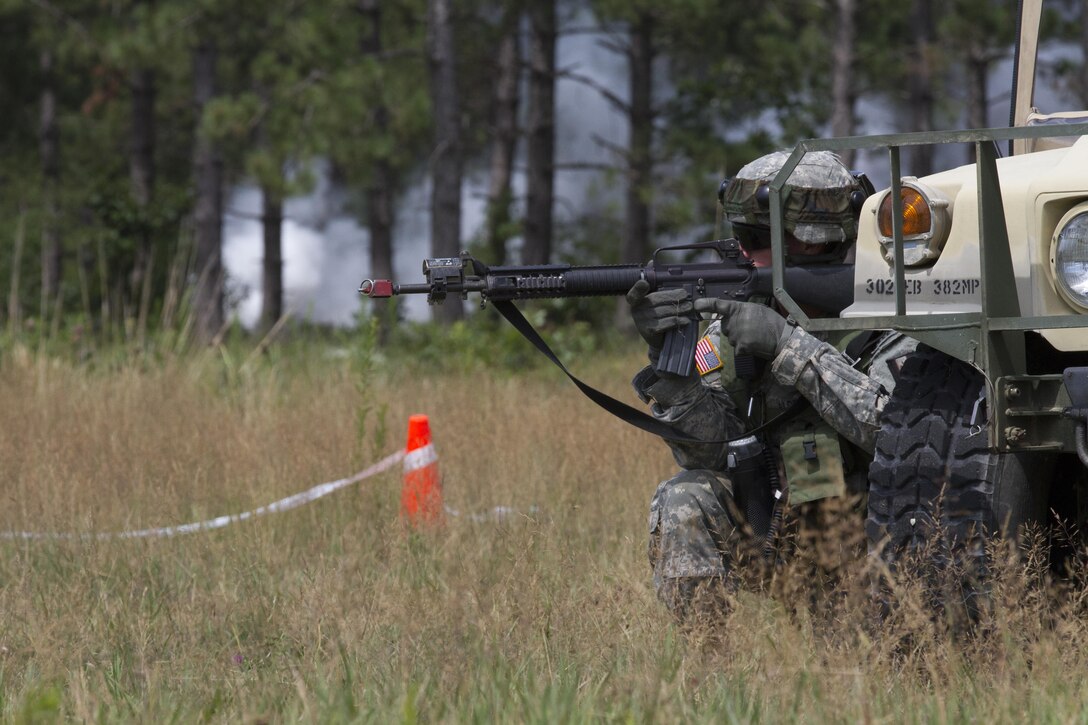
{"points": [[826, 287]]}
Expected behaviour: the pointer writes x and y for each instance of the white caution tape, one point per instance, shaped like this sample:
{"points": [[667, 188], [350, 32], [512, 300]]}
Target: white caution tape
{"points": [[420, 458], [427, 455], [413, 461], [498, 513], [284, 504]]}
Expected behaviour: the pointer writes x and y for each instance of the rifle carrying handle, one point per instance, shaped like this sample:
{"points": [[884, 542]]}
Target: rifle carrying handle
{"points": [[678, 351]]}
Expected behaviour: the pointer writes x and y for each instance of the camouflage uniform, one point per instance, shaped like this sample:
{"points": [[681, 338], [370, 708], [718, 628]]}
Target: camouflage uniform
{"points": [[695, 522], [818, 206]]}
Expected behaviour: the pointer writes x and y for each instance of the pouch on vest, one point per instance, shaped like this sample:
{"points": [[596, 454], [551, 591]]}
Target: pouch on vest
{"points": [[812, 460]]}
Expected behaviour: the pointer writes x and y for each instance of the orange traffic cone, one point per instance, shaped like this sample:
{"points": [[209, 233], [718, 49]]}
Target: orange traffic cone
{"points": [[421, 494]]}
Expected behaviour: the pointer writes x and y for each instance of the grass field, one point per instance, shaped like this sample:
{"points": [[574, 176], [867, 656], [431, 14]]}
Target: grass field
{"points": [[334, 613]]}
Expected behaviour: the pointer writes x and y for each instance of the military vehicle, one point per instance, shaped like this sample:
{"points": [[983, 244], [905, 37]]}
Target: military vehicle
{"points": [[985, 265]]}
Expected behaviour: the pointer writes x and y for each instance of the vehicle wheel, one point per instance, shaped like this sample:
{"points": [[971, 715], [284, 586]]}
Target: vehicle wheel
{"points": [[937, 493]]}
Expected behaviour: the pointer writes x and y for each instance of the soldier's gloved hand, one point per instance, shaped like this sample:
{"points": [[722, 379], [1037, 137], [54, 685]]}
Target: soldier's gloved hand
{"points": [[752, 329], [655, 313]]}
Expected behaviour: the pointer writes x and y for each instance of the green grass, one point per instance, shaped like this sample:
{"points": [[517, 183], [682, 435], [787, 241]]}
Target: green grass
{"points": [[337, 613]]}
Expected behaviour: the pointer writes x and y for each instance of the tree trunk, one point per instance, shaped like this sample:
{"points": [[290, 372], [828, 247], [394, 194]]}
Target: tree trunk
{"points": [[842, 76], [380, 214], [141, 165], [15, 307], [504, 139], [272, 264], [381, 191], [207, 298], [52, 249], [446, 163], [640, 116], [636, 244], [978, 69], [920, 86], [272, 193], [85, 269], [1084, 54], [541, 134]]}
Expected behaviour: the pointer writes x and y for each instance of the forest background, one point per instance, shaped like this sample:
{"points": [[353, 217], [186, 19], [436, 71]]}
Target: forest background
{"points": [[126, 125], [131, 397]]}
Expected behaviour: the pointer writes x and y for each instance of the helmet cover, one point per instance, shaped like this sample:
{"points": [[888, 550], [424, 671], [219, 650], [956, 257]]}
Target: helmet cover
{"points": [[820, 207]]}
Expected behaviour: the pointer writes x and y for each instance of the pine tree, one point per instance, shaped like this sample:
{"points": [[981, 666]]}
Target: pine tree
{"points": [[446, 159]]}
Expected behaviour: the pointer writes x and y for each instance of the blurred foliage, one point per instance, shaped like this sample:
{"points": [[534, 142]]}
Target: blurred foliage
{"points": [[485, 341], [302, 84], [577, 331]]}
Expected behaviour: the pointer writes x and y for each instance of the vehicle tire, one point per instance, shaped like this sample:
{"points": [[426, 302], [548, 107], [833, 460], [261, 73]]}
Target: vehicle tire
{"points": [[937, 493]]}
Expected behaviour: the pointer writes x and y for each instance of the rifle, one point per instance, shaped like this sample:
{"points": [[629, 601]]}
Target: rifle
{"points": [[828, 287]]}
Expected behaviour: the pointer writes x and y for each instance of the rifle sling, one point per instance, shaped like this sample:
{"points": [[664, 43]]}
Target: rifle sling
{"points": [[861, 345], [622, 410]]}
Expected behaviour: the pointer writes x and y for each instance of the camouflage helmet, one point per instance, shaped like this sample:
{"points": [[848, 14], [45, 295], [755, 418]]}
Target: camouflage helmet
{"points": [[821, 208]]}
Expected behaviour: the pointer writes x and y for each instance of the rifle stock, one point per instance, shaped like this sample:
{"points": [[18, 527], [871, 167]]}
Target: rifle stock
{"points": [[827, 287]]}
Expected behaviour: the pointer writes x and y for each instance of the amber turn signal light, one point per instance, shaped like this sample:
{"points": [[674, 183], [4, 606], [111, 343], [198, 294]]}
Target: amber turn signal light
{"points": [[917, 216]]}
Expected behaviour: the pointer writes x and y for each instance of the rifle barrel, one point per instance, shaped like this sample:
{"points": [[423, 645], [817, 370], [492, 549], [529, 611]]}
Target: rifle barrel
{"points": [[544, 281], [827, 287], [382, 288]]}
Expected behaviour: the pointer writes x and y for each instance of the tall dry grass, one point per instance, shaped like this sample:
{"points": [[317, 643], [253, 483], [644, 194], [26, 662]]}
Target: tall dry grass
{"points": [[334, 613]]}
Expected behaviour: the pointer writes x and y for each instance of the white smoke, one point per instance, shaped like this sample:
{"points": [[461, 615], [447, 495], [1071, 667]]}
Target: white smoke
{"points": [[326, 251]]}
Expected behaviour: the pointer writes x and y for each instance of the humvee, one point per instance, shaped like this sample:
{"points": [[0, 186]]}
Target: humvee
{"points": [[986, 266]]}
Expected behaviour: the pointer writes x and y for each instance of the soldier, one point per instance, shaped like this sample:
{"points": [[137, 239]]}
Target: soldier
{"points": [[758, 373]]}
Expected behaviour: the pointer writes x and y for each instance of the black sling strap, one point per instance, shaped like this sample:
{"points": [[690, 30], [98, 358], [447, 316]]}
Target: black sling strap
{"points": [[861, 345], [622, 410]]}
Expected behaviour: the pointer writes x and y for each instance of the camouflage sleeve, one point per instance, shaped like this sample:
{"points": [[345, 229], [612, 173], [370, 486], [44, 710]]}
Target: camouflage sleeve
{"points": [[699, 410], [848, 399]]}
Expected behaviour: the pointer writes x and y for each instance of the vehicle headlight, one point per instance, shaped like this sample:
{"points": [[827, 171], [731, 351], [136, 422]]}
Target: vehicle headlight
{"points": [[1069, 256], [926, 223]]}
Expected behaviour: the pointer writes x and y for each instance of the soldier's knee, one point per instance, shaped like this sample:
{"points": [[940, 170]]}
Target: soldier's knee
{"points": [[692, 493], [689, 521]]}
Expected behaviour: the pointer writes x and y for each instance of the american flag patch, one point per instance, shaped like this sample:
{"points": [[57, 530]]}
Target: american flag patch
{"points": [[706, 357]]}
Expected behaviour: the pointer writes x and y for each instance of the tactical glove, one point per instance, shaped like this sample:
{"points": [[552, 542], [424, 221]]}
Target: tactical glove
{"points": [[752, 329], [655, 313]]}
